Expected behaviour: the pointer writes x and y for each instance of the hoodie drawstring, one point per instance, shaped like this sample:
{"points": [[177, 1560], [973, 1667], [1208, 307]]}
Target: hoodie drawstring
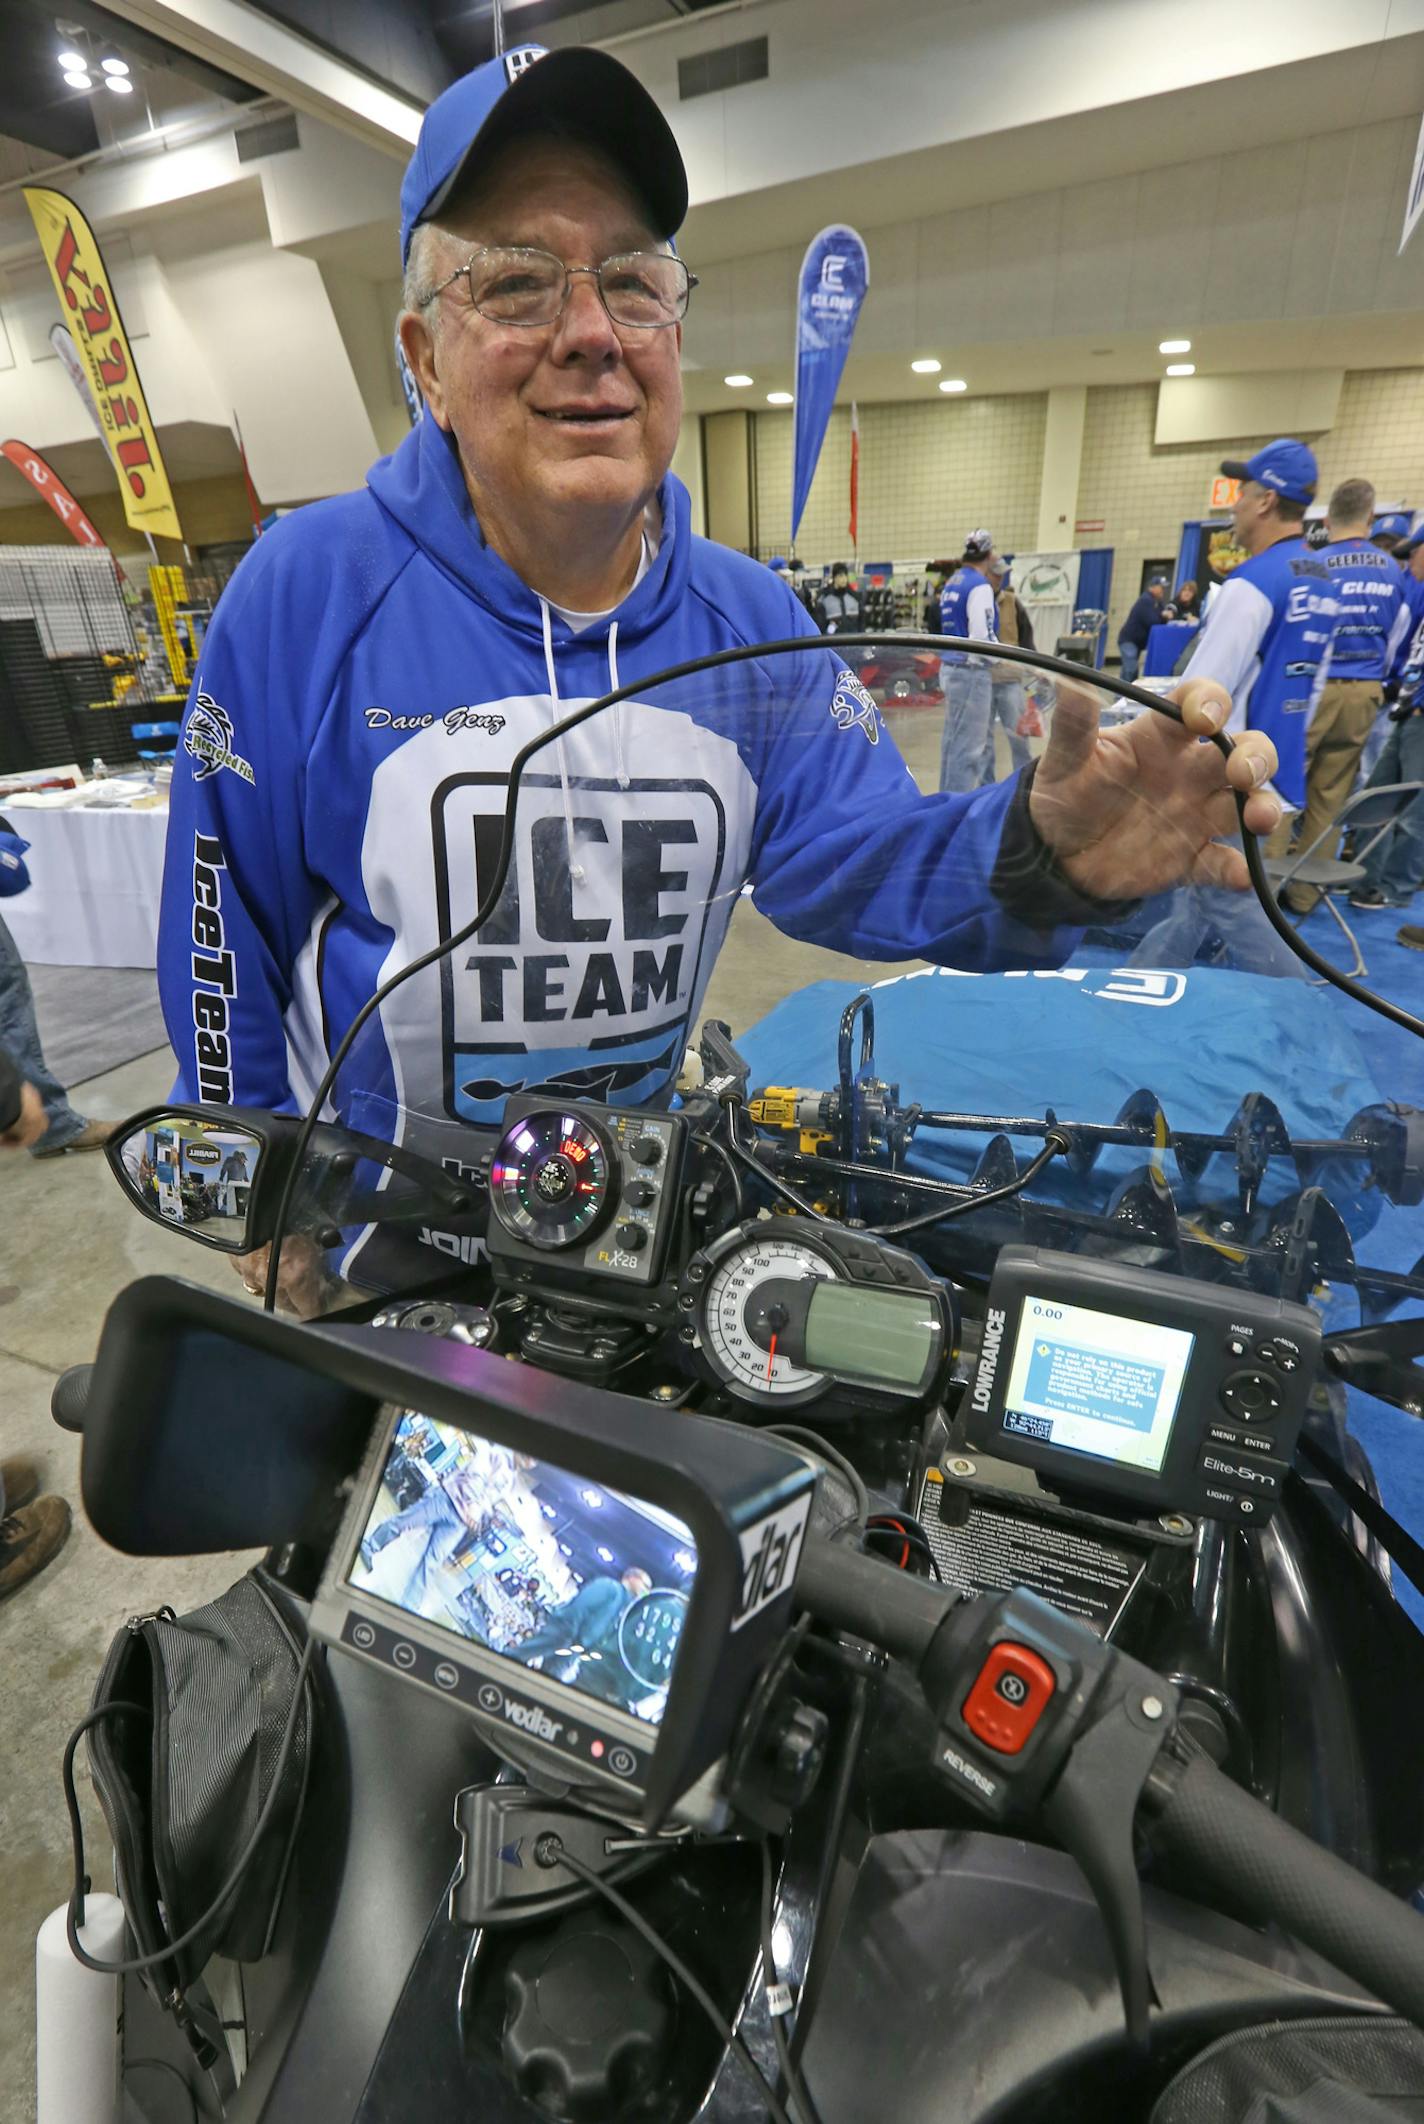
{"points": [[576, 871], [614, 683]]}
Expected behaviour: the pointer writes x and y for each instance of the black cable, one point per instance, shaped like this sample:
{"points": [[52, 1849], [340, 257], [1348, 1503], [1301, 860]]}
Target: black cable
{"points": [[162, 2065], [830, 1857], [1056, 1145], [815, 1443], [693, 1985], [74, 1917], [739, 1200], [763, 1172], [911, 1536], [799, 645], [791, 2072]]}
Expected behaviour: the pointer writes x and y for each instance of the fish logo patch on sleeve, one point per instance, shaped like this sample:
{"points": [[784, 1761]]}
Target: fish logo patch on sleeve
{"points": [[208, 739]]}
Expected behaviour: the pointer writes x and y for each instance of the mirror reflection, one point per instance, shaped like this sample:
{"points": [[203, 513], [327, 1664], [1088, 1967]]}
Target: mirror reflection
{"points": [[195, 1174]]}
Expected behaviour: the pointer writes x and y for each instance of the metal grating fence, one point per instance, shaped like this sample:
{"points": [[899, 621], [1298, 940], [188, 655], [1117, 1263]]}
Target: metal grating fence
{"points": [[83, 659]]}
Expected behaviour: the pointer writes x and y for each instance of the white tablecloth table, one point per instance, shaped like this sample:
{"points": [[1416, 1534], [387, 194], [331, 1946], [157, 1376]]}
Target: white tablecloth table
{"points": [[96, 876]]}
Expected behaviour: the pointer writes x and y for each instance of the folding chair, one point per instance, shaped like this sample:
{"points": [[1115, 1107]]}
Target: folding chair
{"points": [[1369, 814]]}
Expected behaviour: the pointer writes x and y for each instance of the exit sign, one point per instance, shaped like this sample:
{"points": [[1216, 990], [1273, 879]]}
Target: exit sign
{"points": [[1224, 491]]}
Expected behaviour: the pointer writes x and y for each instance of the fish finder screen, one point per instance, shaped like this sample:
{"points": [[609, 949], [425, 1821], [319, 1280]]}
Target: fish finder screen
{"points": [[1097, 1383], [536, 1564]]}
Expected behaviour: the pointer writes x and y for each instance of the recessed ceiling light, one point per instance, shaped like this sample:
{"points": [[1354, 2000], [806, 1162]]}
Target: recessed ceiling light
{"points": [[954, 383], [119, 83], [928, 367], [114, 66], [1174, 346], [72, 62], [738, 382], [78, 80], [1181, 368], [778, 398]]}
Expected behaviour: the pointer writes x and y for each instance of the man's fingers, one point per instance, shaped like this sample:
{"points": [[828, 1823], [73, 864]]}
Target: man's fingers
{"points": [[1220, 864], [1072, 734], [1253, 761], [1264, 812], [1204, 705]]}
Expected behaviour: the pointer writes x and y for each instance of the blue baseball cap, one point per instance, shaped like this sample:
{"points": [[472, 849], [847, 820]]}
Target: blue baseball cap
{"points": [[1286, 467], [580, 91]]}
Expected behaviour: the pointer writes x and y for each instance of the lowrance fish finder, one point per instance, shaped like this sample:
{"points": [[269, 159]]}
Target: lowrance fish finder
{"points": [[1166, 1394]]}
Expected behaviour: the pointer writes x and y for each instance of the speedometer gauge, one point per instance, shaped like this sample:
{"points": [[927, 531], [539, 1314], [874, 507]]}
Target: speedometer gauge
{"points": [[549, 1179], [739, 1316], [785, 1312]]}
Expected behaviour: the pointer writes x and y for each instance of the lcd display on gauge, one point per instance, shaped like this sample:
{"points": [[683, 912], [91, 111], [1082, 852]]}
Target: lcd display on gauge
{"points": [[857, 1331]]}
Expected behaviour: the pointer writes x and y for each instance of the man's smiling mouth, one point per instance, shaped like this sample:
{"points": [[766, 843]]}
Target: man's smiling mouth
{"points": [[585, 416]]}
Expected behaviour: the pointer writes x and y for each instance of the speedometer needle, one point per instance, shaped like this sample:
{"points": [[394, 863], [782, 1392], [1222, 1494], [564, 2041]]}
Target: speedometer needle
{"points": [[771, 1359]]}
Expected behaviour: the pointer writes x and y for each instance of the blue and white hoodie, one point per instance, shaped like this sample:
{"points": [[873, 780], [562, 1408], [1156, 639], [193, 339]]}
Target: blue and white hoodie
{"points": [[339, 792]]}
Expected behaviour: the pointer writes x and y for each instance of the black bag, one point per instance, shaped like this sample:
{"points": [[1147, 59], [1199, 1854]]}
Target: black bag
{"points": [[1345, 2069], [183, 1779]]}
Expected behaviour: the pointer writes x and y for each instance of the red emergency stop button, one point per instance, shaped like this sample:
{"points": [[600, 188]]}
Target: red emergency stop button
{"points": [[1009, 1697]]}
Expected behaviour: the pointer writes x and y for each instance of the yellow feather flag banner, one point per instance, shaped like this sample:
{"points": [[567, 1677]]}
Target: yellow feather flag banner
{"points": [[82, 280]]}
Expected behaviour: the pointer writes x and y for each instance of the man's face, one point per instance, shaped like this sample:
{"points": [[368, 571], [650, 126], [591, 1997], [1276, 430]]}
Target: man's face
{"points": [[581, 413], [1158, 590], [1250, 514], [1416, 564]]}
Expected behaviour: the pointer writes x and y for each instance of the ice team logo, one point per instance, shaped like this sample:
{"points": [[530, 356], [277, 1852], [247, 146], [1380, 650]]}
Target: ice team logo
{"points": [[208, 740], [853, 708]]}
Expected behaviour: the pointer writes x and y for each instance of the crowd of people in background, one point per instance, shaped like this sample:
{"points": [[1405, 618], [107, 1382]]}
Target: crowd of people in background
{"points": [[1318, 634]]}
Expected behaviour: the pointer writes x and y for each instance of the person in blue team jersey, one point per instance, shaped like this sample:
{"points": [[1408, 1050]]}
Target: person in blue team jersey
{"points": [[968, 609], [1373, 627], [1267, 640]]}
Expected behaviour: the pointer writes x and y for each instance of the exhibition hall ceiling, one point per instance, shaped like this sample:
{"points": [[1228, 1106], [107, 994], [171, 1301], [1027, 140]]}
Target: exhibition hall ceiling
{"points": [[44, 111]]}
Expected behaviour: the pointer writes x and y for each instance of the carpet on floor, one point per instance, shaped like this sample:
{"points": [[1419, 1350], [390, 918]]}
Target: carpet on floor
{"points": [[95, 1018]]}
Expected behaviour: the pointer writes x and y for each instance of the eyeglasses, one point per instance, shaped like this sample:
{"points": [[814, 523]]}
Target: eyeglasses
{"points": [[642, 289]]}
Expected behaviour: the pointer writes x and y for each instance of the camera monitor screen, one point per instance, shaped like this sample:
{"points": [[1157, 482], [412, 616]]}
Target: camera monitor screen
{"points": [[1096, 1383], [542, 1567]]}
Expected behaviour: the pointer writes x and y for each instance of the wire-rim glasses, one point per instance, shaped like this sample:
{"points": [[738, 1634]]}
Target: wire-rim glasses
{"points": [[514, 285]]}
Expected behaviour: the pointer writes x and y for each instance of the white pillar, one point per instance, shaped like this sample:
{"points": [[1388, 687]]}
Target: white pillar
{"points": [[1062, 457]]}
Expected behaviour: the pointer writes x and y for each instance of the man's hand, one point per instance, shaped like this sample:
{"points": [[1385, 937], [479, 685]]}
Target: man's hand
{"points": [[1138, 809], [305, 1286], [31, 1122]]}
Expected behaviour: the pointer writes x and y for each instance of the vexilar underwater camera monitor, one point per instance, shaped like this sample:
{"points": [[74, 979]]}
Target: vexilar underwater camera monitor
{"points": [[594, 1580]]}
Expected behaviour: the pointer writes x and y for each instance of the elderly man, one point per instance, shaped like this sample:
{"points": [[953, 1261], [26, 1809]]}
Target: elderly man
{"points": [[380, 658]]}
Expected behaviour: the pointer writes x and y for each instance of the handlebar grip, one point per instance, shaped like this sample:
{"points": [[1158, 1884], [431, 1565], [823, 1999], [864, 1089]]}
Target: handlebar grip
{"points": [[1264, 1868], [871, 1599]]}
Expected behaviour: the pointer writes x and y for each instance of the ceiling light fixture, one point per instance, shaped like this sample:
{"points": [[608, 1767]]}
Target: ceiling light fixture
{"points": [[954, 383], [72, 62], [1181, 368], [778, 398], [928, 367], [1174, 346], [738, 382], [78, 80], [119, 83], [114, 65]]}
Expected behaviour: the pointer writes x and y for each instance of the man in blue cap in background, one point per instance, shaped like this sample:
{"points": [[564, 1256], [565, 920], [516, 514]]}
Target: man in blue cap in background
{"points": [[380, 658], [1267, 640]]}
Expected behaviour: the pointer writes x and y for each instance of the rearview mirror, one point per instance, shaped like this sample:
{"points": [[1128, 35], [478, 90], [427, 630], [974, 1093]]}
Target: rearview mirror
{"points": [[217, 1174], [197, 1173]]}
